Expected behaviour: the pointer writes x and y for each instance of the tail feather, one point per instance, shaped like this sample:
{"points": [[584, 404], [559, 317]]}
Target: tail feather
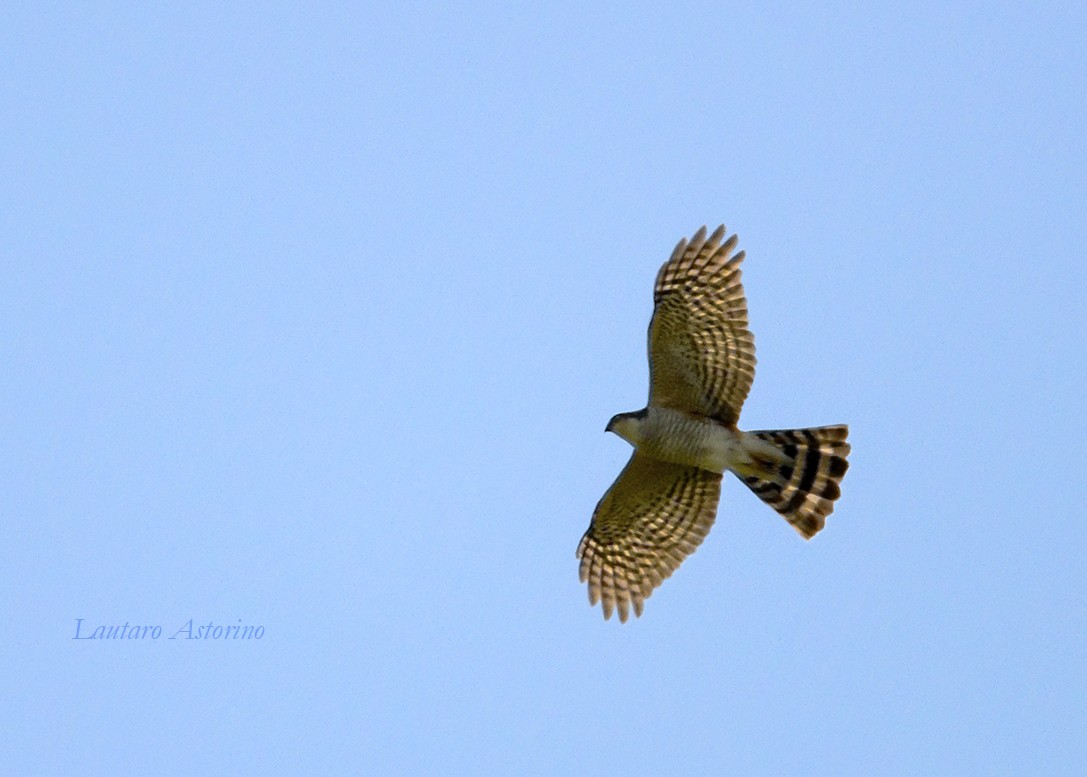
{"points": [[803, 480]]}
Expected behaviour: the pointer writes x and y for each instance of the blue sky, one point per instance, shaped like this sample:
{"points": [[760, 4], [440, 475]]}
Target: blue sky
{"points": [[314, 317]]}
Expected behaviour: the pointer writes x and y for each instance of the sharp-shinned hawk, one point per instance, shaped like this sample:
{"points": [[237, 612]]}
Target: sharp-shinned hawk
{"points": [[701, 364]]}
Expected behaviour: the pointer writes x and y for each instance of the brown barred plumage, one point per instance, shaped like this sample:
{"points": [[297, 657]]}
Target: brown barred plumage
{"points": [[701, 354], [657, 513]]}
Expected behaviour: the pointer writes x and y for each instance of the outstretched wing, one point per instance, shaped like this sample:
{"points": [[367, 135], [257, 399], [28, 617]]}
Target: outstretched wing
{"points": [[653, 517], [701, 354]]}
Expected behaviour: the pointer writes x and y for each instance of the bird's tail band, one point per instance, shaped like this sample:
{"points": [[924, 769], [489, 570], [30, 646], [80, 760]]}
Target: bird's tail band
{"points": [[801, 473]]}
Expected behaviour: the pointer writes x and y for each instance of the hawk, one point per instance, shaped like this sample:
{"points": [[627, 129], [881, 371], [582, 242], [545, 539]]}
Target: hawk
{"points": [[701, 364]]}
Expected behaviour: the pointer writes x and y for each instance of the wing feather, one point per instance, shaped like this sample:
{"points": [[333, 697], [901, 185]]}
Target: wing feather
{"points": [[649, 521], [701, 353]]}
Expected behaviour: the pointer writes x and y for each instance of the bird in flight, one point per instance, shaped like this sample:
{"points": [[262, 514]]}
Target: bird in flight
{"points": [[701, 364]]}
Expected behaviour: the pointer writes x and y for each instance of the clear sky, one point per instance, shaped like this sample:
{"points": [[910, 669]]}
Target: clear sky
{"points": [[313, 316]]}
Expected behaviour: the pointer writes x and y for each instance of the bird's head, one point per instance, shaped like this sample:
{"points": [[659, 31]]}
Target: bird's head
{"points": [[626, 425]]}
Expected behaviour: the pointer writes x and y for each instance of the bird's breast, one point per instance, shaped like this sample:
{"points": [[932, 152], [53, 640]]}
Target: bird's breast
{"points": [[684, 439]]}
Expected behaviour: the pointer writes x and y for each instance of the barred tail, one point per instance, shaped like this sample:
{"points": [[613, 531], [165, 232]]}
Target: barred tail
{"points": [[801, 480]]}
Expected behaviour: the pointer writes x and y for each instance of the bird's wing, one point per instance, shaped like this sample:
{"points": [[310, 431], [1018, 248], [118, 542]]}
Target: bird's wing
{"points": [[701, 354], [653, 517]]}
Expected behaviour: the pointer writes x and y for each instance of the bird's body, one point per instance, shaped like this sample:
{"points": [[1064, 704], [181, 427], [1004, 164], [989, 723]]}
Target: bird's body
{"points": [[702, 362], [683, 438]]}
